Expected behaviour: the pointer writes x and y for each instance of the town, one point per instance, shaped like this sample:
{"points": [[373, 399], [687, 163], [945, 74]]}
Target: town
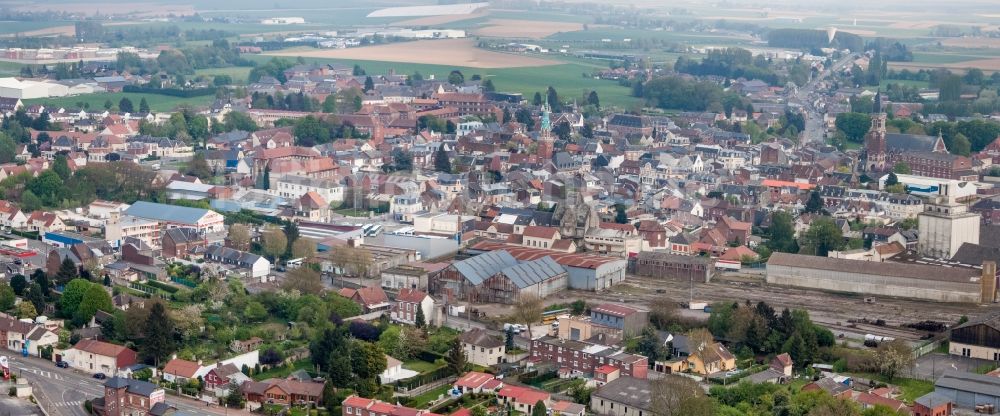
{"points": [[498, 208]]}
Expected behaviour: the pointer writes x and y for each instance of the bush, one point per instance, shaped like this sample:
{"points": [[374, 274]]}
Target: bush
{"points": [[171, 92]]}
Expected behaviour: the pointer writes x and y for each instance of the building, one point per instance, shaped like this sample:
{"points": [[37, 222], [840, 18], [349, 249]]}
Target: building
{"points": [[283, 391], [371, 299], [24, 337], [117, 228], [578, 328], [223, 377], [945, 225], [978, 338], [173, 216], [586, 271], [629, 320], [481, 348], [932, 404], [180, 243], [497, 277], [476, 382], [252, 265], [408, 302], [413, 275], [92, 356], [583, 358], [624, 396], [698, 359], [127, 397], [360, 406], [907, 280], [522, 399], [968, 390], [663, 264], [181, 371]]}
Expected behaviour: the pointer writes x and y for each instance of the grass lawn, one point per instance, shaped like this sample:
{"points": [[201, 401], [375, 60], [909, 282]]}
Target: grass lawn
{"points": [[156, 102], [420, 366], [910, 388], [421, 401], [282, 372], [238, 73], [10, 68], [351, 212]]}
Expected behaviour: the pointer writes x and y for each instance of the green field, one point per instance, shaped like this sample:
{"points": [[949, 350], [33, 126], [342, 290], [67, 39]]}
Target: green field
{"points": [[10, 68], [18, 27], [96, 101], [238, 73], [618, 35], [943, 58], [567, 78]]}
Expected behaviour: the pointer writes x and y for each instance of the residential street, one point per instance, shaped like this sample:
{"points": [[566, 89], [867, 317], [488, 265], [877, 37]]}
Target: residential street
{"points": [[61, 391]]}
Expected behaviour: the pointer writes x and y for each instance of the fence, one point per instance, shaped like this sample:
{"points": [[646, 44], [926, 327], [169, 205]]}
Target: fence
{"points": [[927, 348]]}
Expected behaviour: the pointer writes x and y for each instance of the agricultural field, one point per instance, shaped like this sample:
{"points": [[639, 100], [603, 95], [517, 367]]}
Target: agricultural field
{"points": [[238, 73], [532, 29], [8, 28], [462, 52], [96, 101]]}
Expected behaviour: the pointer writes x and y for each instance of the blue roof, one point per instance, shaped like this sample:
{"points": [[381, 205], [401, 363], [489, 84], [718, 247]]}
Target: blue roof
{"points": [[166, 213], [62, 239], [479, 268]]}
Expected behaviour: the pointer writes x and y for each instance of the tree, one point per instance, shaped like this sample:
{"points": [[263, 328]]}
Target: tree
{"points": [[198, 167], [26, 310], [649, 344], [420, 320], [303, 248], [125, 105], [67, 271], [578, 307], [275, 243], [901, 168], [509, 339], [593, 99], [95, 298], [108, 104], [456, 77], [815, 203], [679, 396], [553, 98], [621, 217], [7, 297], [539, 409], [822, 237], [854, 125], [488, 86], [782, 233], [367, 360], [528, 310], [892, 357], [143, 106], [303, 279], [8, 148], [19, 283], [255, 312], [702, 344], [61, 166], [960, 145], [456, 358], [239, 236], [537, 99], [441, 161], [158, 342], [369, 84], [892, 179], [72, 296]]}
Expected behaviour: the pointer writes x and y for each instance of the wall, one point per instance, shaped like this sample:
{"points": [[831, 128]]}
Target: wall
{"points": [[484, 356], [976, 351], [428, 248], [938, 291]]}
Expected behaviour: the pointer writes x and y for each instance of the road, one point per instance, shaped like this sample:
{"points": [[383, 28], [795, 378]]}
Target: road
{"points": [[805, 96], [62, 391]]}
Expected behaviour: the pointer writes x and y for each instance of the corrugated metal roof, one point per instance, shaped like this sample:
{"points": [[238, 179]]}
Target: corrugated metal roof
{"points": [[975, 383], [479, 268], [532, 272]]}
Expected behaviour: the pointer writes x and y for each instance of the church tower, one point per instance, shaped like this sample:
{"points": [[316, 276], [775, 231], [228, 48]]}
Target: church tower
{"points": [[875, 146], [546, 142]]}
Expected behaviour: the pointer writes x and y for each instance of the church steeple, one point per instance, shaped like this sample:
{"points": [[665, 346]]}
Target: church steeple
{"points": [[545, 140], [877, 104]]}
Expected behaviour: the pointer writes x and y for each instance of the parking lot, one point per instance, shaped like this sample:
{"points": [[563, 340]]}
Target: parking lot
{"points": [[932, 366]]}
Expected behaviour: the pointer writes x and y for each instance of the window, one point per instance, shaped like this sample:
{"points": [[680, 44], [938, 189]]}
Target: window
{"points": [[350, 410]]}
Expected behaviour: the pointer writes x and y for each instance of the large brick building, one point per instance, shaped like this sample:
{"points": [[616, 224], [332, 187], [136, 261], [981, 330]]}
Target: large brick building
{"points": [[123, 396], [584, 357]]}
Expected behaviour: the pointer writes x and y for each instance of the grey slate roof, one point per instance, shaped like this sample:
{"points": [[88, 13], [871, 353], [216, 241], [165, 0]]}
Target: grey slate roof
{"points": [[932, 399], [629, 391], [969, 382], [164, 212], [909, 142], [533, 272], [479, 268]]}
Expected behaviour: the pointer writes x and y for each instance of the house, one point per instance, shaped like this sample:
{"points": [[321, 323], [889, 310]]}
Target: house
{"points": [[283, 391], [12, 216], [481, 348], [408, 302], [371, 299], [522, 399], [568, 408], [841, 390], [697, 359], [870, 400], [221, 378], [241, 347], [476, 382], [181, 371], [180, 243], [978, 338], [44, 222], [625, 396], [24, 337], [249, 264], [630, 320], [172, 216], [313, 207], [126, 397], [932, 404], [779, 372], [94, 356], [394, 371], [359, 406]]}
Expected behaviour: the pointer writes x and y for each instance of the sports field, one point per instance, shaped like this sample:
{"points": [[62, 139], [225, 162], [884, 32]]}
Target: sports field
{"points": [[459, 52], [156, 102]]}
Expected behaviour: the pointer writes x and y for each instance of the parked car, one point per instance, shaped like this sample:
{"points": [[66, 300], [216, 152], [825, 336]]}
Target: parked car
{"points": [[100, 376], [62, 364]]}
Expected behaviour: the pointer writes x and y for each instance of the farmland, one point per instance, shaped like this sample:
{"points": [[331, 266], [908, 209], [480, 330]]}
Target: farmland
{"points": [[96, 101], [525, 28], [462, 52]]}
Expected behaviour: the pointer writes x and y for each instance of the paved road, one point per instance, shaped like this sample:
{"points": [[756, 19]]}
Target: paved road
{"points": [[815, 129], [62, 391]]}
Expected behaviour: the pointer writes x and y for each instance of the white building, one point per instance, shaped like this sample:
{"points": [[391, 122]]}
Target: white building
{"points": [[945, 225], [283, 21], [293, 187]]}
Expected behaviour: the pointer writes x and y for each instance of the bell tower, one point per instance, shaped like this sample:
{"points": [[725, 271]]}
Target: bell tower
{"points": [[546, 142], [875, 143]]}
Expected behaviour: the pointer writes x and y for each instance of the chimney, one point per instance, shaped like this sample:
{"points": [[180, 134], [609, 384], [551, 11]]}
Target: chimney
{"points": [[199, 363], [989, 282]]}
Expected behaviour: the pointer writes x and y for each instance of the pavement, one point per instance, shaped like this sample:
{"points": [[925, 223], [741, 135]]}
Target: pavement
{"points": [[62, 391], [932, 366], [11, 406], [815, 129]]}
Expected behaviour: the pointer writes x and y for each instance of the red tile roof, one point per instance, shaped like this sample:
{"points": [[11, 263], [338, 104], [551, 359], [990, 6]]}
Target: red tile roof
{"points": [[183, 368], [99, 347], [523, 395]]}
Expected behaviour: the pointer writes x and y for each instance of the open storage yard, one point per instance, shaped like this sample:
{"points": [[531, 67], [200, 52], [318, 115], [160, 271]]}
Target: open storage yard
{"points": [[458, 52]]}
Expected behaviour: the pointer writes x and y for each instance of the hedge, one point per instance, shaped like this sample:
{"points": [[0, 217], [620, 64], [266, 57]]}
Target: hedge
{"points": [[162, 286], [172, 92]]}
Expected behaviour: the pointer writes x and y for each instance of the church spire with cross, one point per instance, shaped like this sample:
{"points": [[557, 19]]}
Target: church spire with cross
{"points": [[545, 139]]}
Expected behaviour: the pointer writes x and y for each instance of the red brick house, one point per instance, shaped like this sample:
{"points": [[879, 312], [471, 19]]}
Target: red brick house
{"points": [[283, 391], [585, 357], [360, 406], [932, 404], [181, 242]]}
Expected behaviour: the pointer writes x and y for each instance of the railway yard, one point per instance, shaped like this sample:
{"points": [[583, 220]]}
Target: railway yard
{"points": [[849, 316]]}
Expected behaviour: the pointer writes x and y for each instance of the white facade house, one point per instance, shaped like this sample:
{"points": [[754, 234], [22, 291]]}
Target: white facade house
{"points": [[293, 187]]}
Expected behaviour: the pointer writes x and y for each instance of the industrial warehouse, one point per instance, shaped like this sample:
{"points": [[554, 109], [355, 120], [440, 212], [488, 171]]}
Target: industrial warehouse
{"points": [[916, 281]]}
